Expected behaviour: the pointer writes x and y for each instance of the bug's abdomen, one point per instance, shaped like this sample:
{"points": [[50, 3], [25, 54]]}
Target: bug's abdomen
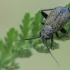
{"points": [[58, 18]]}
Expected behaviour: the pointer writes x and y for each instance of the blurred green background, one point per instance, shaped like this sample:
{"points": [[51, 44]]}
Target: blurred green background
{"points": [[11, 15]]}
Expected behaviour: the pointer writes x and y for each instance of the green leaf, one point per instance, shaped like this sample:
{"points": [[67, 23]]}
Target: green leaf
{"points": [[2, 48], [36, 25], [25, 27], [22, 51], [11, 35], [69, 5]]}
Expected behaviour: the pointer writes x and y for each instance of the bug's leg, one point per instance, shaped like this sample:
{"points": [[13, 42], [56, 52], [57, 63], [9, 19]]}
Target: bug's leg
{"points": [[57, 34], [47, 9], [44, 15], [63, 31], [41, 21], [51, 41]]}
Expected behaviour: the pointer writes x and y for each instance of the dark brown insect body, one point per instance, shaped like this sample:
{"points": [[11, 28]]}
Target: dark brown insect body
{"points": [[55, 21]]}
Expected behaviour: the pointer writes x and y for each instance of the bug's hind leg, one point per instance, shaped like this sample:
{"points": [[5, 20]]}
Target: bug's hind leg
{"points": [[63, 31], [57, 34], [41, 21]]}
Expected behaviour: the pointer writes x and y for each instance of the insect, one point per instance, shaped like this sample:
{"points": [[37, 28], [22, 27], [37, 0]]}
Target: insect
{"points": [[55, 22]]}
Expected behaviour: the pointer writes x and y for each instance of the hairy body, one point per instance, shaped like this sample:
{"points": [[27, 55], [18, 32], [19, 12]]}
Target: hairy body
{"points": [[55, 21], [58, 17]]}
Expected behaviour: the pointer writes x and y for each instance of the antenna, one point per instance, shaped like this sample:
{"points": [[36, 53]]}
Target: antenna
{"points": [[51, 54], [24, 39], [43, 42]]}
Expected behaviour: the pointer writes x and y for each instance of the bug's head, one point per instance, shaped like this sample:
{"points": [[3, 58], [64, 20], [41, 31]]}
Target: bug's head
{"points": [[46, 32]]}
